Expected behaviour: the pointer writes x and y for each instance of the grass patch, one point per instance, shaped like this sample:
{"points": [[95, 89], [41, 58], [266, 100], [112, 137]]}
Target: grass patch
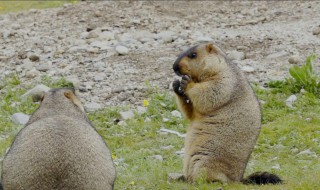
{"points": [[16, 6], [289, 143]]}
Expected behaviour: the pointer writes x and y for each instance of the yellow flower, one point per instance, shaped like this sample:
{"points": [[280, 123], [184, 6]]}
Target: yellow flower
{"points": [[145, 103], [113, 156]]}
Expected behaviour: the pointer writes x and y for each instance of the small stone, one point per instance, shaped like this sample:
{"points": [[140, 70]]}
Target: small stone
{"points": [[43, 67], [204, 39], [127, 115], [91, 107], [289, 101], [92, 50], [15, 26], [141, 110], [122, 123], [20, 118], [3, 58], [166, 147], [147, 119], [35, 92], [165, 119], [122, 50], [308, 119], [294, 60], [276, 167], [180, 153], [157, 157], [316, 31], [248, 69], [34, 58], [176, 113], [100, 77], [166, 36], [176, 177], [32, 73], [93, 34], [307, 152], [97, 14], [107, 36], [236, 55], [277, 55]]}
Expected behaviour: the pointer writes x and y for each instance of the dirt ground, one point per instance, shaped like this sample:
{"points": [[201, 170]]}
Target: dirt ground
{"points": [[80, 42]]}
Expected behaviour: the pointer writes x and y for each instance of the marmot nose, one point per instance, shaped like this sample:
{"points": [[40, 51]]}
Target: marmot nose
{"points": [[176, 68]]}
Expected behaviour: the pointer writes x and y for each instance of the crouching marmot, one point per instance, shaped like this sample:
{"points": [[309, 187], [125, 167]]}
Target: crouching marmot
{"points": [[224, 114], [58, 149]]}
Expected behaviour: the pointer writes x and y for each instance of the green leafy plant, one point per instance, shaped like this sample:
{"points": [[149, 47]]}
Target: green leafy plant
{"points": [[304, 77]]}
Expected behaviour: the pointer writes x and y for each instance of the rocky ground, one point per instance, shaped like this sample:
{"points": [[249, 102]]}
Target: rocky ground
{"points": [[114, 51]]}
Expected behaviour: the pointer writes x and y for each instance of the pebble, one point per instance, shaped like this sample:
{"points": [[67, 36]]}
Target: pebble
{"points": [[35, 92], [141, 110], [43, 67], [277, 55], [248, 69], [93, 34], [106, 35], [204, 39], [122, 50], [92, 50], [176, 177], [100, 77], [276, 167], [15, 26], [166, 147], [307, 152], [289, 101], [34, 58], [158, 157], [294, 60], [166, 36], [176, 113], [127, 114], [122, 123], [20, 118], [316, 31], [91, 107], [236, 55], [32, 73]]}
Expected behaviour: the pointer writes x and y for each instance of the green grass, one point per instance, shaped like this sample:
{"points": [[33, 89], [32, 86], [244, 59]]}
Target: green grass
{"points": [[16, 6], [285, 133]]}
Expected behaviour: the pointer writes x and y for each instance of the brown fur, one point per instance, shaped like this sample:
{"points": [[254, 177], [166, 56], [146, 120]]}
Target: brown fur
{"points": [[58, 149], [224, 114]]}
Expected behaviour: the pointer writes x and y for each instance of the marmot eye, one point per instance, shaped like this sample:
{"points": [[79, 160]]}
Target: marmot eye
{"points": [[192, 55]]}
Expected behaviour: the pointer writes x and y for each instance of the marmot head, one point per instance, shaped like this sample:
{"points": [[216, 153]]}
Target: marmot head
{"points": [[60, 101], [200, 62]]}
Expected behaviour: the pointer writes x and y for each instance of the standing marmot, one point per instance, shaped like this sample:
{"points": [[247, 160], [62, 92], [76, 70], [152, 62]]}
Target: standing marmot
{"points": [[58, 149], [224, 113]]}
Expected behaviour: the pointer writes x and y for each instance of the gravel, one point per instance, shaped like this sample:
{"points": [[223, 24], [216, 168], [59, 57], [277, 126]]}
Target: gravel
{"points": [[137, 43]]}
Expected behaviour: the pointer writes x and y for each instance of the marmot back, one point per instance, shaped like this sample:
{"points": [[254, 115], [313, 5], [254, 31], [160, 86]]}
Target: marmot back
{"points": [[224, 114], [58, 149]]}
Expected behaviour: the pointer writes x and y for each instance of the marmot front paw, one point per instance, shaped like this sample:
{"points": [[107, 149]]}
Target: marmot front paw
{"points": [[176, 85], [179, 87]]}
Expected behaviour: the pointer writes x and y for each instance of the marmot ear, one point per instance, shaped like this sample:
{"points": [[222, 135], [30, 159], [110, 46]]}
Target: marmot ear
{"points": [[210, 48], [70, 95]]}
